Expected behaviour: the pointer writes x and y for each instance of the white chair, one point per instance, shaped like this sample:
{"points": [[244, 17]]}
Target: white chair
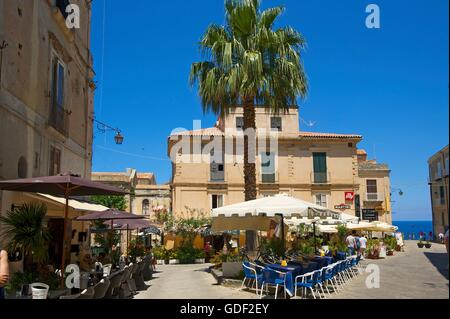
{"points": [[305, 282]]}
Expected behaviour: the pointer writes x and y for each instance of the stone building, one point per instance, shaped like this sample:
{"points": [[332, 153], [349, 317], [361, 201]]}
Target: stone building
{"points": [[322, 168], [438, 180]]}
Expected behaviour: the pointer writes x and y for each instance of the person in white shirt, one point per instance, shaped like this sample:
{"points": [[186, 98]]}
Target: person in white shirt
{"points": [[441, 238], [363, 245], [351, 243]]}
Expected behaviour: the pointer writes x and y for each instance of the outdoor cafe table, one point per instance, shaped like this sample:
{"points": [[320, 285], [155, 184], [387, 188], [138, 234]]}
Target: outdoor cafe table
{"points": [[292, 270]]}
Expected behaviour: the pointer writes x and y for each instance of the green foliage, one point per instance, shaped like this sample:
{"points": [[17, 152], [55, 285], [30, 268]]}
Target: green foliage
{"points": [[117, 202], [247, 60], [43, 275], [275, 245], [25, 230], [372, 247], [161, 253], [342, 232], [220, 258], [390, 242], [188, 254], [136, 248]]}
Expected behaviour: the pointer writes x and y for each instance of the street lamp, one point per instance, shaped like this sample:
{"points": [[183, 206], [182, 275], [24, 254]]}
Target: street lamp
{"points": [[102, 127]]}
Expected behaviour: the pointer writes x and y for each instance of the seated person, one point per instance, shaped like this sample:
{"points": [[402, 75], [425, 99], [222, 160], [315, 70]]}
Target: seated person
{"points": [[86, 261]]}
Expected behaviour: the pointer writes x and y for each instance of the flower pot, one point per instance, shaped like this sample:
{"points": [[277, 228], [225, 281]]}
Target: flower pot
{"points": [[200, 261], [174, 261], [160, 261], [420, 245], [390, 253], [231, 269], [39, 290], [427, 245]]}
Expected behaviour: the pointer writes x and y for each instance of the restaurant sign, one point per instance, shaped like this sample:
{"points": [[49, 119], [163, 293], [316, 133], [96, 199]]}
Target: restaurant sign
{"points": [[349, 196], [342, 206]]}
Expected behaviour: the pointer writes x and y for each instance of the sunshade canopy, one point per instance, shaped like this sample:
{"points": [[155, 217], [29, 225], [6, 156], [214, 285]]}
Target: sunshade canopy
{"points": [[270, 206], [131, 224], [110, 214], [60, 185], [73, 203]]}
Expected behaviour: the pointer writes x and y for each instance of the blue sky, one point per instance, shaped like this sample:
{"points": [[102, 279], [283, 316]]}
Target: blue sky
{"points": [[388, 84]]}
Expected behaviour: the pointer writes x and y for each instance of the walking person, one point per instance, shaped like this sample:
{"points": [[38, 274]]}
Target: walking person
{"points": [[4, 272], [351, 243], [441, 238], [362, 245]]}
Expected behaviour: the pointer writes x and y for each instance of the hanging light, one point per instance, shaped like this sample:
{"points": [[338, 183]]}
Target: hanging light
{"points": [[118, 138]]}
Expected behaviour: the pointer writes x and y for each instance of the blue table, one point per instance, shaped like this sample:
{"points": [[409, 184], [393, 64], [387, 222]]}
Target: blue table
{"points": [[292, 270], [323, 261]]}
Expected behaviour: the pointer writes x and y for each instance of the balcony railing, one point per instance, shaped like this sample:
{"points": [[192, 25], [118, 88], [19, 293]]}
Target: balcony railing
{"points": [[269, 178], [320, 177], [62, 5], [59, 120], [374, 197]]}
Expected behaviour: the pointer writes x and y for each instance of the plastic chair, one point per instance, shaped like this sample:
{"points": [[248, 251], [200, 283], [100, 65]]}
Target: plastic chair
{"points": [[305, 282], [115, 281], [88, 293], [251, 273], [273, 278], [101, 288]]}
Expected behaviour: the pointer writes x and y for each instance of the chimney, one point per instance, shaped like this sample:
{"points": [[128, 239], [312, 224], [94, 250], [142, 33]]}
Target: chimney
{"points": [[362, 155]]}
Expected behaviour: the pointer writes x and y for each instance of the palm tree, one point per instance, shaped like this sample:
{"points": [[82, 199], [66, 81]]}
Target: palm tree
{"points": [[25, 232], [248, 63]]}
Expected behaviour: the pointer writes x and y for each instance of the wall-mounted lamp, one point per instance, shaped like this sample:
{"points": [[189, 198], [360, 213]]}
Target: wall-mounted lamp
{"points": [[102, 127]]}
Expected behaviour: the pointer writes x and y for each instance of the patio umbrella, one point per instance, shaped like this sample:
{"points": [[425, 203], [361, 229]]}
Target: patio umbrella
{"points": [[66, 185]]}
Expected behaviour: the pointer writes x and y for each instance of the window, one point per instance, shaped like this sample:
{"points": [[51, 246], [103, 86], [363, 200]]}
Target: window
{"points": [[275, 123], [22, 167], [442, 195], [145, 207], [240, 123], [372, 189], [217, 201], [268, 167], [321, 200], [58, 84], [217, 167], [57, 112], [55, 161], [320, 167], [439, 170], [62, 5], [446, 166]]}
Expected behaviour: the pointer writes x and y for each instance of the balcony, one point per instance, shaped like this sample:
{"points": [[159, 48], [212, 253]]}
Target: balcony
{"points": [[59, 120], [269, 178], [374, 197], [320, 178], [62, 5]]}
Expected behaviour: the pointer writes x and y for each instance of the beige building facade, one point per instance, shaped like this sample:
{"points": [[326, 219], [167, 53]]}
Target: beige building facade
{"points": [[438, 166], [146, 196], [317, 167], [46, 101]]}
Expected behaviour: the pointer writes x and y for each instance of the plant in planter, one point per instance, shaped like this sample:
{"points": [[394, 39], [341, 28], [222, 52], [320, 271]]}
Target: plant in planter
{"points": [[27, 234], [391, 244], [161, 254], [373, 249], [200, 256], [173, 257], [428, 244], [420, 244]]}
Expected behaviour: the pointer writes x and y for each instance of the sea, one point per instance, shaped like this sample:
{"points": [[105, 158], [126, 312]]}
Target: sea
{"points": [[411, 228]]}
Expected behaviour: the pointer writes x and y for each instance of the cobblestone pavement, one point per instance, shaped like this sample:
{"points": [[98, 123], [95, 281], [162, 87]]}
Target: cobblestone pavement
{"points": [[416, 273], [188, 282]]}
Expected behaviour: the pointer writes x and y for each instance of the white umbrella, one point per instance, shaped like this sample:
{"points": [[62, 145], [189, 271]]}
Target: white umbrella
{"points": [[271, 206]]}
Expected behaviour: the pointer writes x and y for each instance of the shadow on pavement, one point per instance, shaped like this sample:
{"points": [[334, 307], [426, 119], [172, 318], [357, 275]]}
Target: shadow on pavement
{"points": [[440, 261]]}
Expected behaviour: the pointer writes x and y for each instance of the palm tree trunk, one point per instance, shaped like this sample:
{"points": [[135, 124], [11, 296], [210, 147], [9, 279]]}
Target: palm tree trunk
{"points": [[249, 149], [250, 163]]}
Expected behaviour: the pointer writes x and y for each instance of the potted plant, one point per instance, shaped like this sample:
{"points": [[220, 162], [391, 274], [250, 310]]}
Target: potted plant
{"points": [[231, 264], [373, 249], [420, 244], [161, 255], [200, 256], [428, 244], [173, 258]]}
